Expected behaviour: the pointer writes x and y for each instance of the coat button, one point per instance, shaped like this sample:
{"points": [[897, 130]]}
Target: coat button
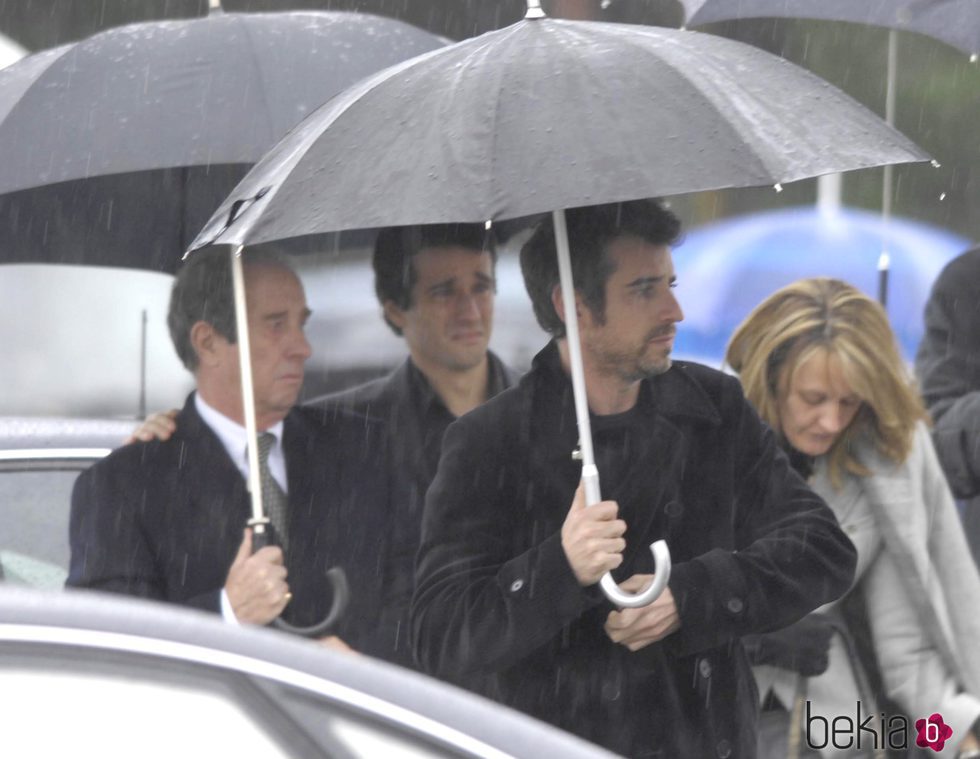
{"points": [[673, 509], [704, 667], [516, 585], [610, 691], [735, 605], [724, 749]]}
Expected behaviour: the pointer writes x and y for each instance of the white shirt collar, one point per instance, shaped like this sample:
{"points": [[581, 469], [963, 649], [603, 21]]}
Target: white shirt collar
{"points": [[234, 438]]}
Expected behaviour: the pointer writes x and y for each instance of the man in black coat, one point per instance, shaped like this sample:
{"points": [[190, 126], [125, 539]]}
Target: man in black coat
{"points": [[166, 519], [948, 368], [436, 286], [506, 597]]}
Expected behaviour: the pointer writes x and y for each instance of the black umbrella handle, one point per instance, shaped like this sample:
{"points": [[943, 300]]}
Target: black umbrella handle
{"points": [[335, 576]]}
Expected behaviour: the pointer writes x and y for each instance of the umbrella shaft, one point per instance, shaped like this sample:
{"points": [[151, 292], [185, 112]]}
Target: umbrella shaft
{"points": [[590, 474], [248, 391]]}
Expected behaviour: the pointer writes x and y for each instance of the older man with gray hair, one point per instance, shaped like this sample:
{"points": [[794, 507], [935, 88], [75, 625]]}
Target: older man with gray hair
{"points": [[166, 519]]}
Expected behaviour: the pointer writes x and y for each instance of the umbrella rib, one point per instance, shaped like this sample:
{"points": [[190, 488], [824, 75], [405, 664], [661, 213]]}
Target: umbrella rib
{"points": [[494, 119], [250, 47], [498, 196], [723, 75]]}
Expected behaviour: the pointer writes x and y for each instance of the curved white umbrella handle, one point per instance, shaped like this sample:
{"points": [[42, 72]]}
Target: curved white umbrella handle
{"points": [[661, 559]]}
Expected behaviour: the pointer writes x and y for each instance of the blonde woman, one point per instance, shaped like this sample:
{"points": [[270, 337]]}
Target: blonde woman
{"points": [[819, 362]]}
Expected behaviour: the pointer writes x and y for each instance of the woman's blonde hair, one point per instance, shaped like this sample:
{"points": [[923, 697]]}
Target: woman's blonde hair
{"points": [[827, 314]]}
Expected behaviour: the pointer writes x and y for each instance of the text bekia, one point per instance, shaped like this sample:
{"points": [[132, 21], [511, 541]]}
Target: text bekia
{"points": [[857, 731]]}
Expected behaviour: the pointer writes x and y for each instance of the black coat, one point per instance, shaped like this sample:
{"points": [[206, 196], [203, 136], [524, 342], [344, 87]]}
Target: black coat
{"points": [[164, 520], [414, 420], [948, 367], [497, 606]]}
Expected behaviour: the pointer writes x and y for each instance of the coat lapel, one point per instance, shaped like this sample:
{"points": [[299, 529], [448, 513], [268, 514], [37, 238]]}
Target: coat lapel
{"points": [[308, 514], [653, 482], [206, 506], [902, 521], [204, 464]]}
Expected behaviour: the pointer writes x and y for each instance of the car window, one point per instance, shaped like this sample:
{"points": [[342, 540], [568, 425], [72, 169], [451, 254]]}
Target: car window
{"points": [[350, 735], [127, 710], [34, 507], [67, 700]]}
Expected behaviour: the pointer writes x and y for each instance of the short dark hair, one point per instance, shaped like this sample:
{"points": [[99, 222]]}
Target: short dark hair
{"points": [[202, 291], [394, 274], [590, 230]]}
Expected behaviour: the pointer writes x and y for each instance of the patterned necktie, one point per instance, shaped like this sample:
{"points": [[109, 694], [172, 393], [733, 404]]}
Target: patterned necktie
{"points": [[274, 501]]}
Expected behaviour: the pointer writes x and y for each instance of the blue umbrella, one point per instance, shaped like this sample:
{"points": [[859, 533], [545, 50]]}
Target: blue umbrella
{"points": [[727, 268]]}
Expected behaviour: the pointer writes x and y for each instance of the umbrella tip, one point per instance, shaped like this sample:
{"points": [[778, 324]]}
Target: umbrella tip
{"points": [[534, 9]]}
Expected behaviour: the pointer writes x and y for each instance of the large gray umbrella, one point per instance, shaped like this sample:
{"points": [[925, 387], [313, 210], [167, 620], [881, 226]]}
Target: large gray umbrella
{"points": [[127, 141], [545, 115], [955, 22], [551, 114]]}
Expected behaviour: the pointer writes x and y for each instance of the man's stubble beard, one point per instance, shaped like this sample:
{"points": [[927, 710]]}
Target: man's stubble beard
{"points": [[635, 366], [645, 371]]}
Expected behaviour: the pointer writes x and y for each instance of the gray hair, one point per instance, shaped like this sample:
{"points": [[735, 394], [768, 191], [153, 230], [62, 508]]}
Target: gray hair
{"points": [[202, 291]]}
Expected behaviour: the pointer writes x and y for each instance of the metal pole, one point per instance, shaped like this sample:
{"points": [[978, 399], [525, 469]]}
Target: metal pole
{"points": [[884, 260], [258, 520], [534, 9], [590, 473], [142, 402], [829, 194]]}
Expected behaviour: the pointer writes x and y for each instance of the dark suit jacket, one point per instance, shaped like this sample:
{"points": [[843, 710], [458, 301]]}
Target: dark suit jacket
{"points": [[496, 600], [415, 420], [163, 520]]}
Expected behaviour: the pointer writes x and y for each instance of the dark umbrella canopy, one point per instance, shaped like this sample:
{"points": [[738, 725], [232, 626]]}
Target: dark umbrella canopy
{"points": [[141, 219], [550, 114], [955, 22], [218, 90], [127, 141]]}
